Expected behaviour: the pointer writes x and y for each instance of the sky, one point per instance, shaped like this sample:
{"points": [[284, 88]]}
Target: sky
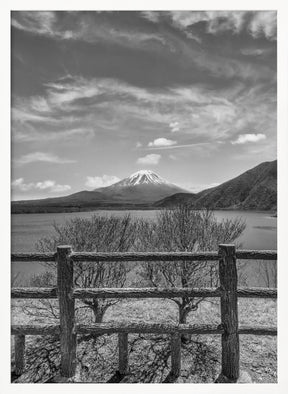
{"points": [[97, 96]]}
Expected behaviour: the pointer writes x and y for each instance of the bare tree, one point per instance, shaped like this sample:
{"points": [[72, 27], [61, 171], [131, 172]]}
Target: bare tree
{"points": [[97, 234], [183, 229]]}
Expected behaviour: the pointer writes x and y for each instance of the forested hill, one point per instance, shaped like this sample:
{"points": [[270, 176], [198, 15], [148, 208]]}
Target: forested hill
{"points": [[255, 189]]}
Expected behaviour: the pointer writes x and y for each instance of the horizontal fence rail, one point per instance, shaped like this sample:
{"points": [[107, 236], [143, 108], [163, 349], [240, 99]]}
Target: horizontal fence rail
{"points": [[137, 256], [67, 330], [40, 292], [139, 328]]}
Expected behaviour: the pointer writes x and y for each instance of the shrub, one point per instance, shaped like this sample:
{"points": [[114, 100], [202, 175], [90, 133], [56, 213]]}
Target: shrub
{"points": [[95, 234], [186, 230]]}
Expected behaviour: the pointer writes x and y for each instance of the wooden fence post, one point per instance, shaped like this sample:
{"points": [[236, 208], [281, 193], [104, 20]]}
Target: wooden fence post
{"points": [[19, 346], [229, 313], [176, 354], [67, 311], [123, 353]]}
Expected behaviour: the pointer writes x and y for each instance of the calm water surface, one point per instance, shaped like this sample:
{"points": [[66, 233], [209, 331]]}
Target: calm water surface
{"points": [[27, 229]]}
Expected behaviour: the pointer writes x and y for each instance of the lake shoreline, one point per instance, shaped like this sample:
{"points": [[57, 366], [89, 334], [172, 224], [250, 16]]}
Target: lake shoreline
{"points": [[137, 208]]}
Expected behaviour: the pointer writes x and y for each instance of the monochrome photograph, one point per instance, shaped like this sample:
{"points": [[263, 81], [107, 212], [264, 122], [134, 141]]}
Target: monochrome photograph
{"points": [[144, 196]]}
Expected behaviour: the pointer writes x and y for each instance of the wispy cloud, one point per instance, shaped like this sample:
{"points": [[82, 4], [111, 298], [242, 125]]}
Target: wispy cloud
{"points": [[74, 108], [38, 22], [254, 51], [84, 26], [151, 159], [194, 145], [48, 185], [244, 138], [256, 23], [152, 16], [101, 181], [94, 27], [42, 157], [77, 107], [160, 142]]}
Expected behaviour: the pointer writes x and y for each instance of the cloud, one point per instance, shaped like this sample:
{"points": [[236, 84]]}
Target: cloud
{"points": [[138, 144], [50, 186], [74, 107], [151, 159], [152, 16], [174, 127], [38, 22], [91, 27], [42, 157], [94, 27], [256, 23], [264, 23], [244, 138], [253, 51], [159, 142], [194, 145], [101, 181]]}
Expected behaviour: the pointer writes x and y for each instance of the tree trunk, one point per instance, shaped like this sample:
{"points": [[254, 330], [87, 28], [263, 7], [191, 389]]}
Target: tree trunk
{"points": [[183, 313], [98, 315]]}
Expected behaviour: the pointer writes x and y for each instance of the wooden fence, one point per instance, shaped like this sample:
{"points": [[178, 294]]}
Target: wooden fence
{"points": [[66, 294]]}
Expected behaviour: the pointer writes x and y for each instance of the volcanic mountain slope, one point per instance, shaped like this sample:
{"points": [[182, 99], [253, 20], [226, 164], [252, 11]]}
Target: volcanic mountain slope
{"points": [[139, 190], [255, 189], [142, 187]]}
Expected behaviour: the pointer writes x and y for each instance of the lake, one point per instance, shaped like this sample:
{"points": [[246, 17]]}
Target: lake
{"points": [[27, 229]]}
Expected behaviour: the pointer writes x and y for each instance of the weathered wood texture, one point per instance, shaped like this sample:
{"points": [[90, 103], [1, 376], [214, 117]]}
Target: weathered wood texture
{"points": [[41, 292], [35, 329], [144, 256], [229, 312], [146, 292], [123, 353], [33, 292], [257, 330], [22, 257], [256, 292], [256, 255], [19, 346], [148, 328], [67, 311], [175, 292], [176, 354]]}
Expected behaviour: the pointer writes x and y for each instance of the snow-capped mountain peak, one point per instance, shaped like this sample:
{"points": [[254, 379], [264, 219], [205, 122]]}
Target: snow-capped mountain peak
{"points": [[143, 177], [142, 186]]}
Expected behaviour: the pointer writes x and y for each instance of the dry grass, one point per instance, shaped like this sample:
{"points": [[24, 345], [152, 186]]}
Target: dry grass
{"points": [[149, 356]]}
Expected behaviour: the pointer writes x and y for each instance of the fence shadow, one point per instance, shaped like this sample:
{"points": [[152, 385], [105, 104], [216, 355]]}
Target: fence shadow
{"points": [[170, 378], [117, 377]]}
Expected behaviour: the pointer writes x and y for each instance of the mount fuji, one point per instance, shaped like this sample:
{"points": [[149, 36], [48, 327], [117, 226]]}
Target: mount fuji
{"points": [[141, 187], [139, 190], [255, 189]]}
